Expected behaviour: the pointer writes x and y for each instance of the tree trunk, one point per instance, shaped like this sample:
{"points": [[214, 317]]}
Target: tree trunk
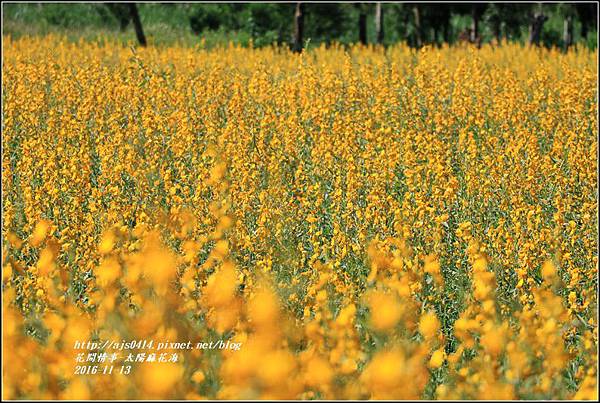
{"points": [[474, 23], [123, 22], [584, 30], [379, 23], [535, 28], [446, 32], [568, 32], [121, 13], [497, 23], [362, 24], [298, 27], [497, 31], [137, 24], [417, 15]]}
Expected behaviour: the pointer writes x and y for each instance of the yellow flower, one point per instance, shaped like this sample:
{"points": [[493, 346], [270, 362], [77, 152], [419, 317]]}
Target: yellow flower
{"points": [[221, 249], [437, 358], [108, 271], [263, 309], [46, 263], [384, 373], [77, 390], [432, 265], [107, 243], [346, 316], [158, 380], [276, 367], [39, 232], [221, 286], [493, 340], [198, 376], [318, 373], [206, 171], [548, 271], [429, 325], [385, 310]]}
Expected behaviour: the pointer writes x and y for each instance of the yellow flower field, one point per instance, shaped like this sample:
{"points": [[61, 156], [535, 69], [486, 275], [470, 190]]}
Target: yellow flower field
{"points": [[359, 223]]}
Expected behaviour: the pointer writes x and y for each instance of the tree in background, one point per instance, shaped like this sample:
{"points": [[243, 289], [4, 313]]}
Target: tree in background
{"points": [[569, 14], [121, 12], [416, 9], [587, 14], [506, 21], [209, 17], [137, 24], [439, 19], [331, 22], [568, 32], [362, 22], [379, 32], [536, 25], [262, 24], [125, 13], [477, 10], [298, 27], [495, 21]]}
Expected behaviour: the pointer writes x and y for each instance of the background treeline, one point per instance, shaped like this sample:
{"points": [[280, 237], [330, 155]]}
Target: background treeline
{"points": [[546, 24]]}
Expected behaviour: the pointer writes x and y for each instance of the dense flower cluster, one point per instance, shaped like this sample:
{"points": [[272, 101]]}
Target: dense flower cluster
{"points": [[367, 223]]}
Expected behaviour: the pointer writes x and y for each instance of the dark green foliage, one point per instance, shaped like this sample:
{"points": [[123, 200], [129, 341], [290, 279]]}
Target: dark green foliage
{"points": [[272, 23]]}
